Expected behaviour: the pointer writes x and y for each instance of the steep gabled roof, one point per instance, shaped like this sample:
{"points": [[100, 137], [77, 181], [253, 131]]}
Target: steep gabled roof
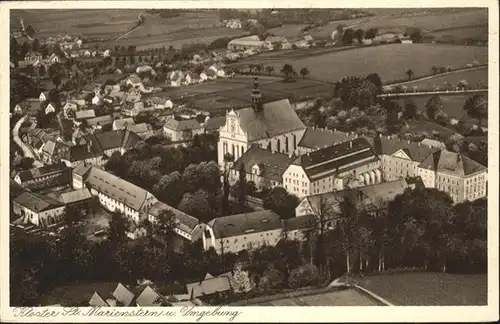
{"points": [[123, 295], [388, 146], [272, 165], [181, 125], [149, 297], [276, 118], [452, 163], [37, 202], [208, 287]]}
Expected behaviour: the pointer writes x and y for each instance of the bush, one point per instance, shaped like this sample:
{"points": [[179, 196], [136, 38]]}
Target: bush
{"points": [[271, 280], [306, 275]]}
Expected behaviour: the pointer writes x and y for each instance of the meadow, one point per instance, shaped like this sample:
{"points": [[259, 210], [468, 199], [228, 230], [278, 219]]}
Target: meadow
{"points": [[476, 78], [479, 32], [429, 289], [390, 61]]}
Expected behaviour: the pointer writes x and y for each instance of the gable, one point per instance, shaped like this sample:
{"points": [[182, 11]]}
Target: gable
{"points": [[402, 155]]}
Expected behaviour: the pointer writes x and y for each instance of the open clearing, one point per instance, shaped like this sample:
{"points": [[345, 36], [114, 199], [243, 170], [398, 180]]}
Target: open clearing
{"points": [[389, 61], [477, 79], [429, 289]]}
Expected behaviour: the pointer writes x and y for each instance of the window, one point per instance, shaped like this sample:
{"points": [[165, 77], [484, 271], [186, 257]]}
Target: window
{"points": [[242, 150], [278, 145], [233, 151], [286, 144], [294, 141]]}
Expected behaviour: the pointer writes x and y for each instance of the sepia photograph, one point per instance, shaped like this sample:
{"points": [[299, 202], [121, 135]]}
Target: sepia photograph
{"points": [[229, 157]]}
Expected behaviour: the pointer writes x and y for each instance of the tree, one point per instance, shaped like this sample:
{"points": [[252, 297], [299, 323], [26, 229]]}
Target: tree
{"points": [[306, 275], [477, 107], [348, 36], [118, 227], [30, 31], [287, 70], [376, 80], [410, 110], [281, 202], [57, 81], [359, 34], [242, 183], [36, 45], [165, 224], [462, 84], [349, 213], [409, 73], [434, 69], [371, 33], [304, 71], [170, 188], [197, 205], [269, 69], [433, 106], [271, 280]]}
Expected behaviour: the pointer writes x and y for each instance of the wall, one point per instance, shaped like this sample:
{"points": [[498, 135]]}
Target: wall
{"points": [[428, 177], [396, 167], [296, 181], [41, 218]]}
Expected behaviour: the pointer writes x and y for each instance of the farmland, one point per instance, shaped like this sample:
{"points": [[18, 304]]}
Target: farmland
{"points": [[476, 79], [452, 106], [389, 61], [425, 289], [479, 32]]}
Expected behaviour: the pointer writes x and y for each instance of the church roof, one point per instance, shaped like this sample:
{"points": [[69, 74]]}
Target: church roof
{"points": [[274, 119]]}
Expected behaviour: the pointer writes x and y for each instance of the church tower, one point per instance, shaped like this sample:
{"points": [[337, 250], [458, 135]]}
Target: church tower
{"points": [[257, 104]]}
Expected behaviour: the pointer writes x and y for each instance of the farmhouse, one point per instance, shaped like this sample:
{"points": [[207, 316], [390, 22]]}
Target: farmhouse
{"points": [[44, 95], [116, 194], [274, 125], [265, 168], [44, 177], [186, 226], [38, 209], [456, 174], [348, 164], [240, 232], [279, 42]]}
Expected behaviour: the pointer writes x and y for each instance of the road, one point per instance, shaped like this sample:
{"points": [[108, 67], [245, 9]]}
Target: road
{"points": [[140, 17], [425, 93], [27, 152]]}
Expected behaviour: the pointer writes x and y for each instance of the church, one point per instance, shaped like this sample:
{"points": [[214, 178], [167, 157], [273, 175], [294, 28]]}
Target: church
{"points": [[274, 126]]}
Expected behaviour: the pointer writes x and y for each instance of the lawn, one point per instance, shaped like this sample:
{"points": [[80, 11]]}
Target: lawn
{"points": [[389, 61], [477, 79], [429, 289], [452, 106], [429, 21]]}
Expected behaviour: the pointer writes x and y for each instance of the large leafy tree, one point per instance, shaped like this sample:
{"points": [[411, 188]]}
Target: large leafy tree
{"points": [[477, 107], [281, 202], [433, 106]]}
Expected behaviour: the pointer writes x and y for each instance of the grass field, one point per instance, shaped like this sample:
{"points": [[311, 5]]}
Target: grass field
{"points": [[479, 32], [452, 106], [389, 61], [429, 289], [429, 21], [477, 79], [287, 30]]}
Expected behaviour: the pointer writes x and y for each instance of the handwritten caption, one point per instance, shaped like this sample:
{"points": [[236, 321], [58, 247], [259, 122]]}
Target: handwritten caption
{"points": [[187, 311]]}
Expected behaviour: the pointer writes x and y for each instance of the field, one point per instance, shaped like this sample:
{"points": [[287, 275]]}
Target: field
{"points": [[389, 61], [429, 289], [430, 21], [222, 94], [479, 32], [452, 106], [477, 79], [287, 30], [189, 27], [347, 297]]}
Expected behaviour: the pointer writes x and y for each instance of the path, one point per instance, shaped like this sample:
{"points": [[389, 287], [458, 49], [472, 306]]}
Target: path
{"points": [[27, 152], [140, 17], [425, 93], [437, 75]]}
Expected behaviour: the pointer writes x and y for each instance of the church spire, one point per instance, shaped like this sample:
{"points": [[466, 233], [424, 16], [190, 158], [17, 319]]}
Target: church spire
{"points": [[256, 95]]}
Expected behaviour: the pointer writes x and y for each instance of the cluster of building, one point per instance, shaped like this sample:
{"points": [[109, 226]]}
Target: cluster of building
{"points": [[253, 44]]}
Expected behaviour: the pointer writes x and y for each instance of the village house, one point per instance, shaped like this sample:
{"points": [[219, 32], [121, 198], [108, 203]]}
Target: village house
{"points": [[84, 114], [218, 68], [114, 193], [44, 95], [456, 174], [31, 106], [47, 176], [348, 164], [317, 138], [245, 43], [186, 226], [209, 286], [53, 151], [36, 138], [279, 42], [38, 209], [265, 168], [98, 123], [213, 124], [160, 103], [298, 228], [274, 126], [50, 108], [182, 130], [240, 232], [176, 78], [96, 148]]}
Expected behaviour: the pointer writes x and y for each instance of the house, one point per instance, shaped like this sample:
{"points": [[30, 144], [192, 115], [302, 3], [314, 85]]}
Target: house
{"points": [[400, 158], [134, 80], [84, 114], [68, 107], [317, 138], [31, 106], [150, 298], [95, 148], [182, 130], [326, 206], [211, 74], [213, 124], [123, 295], [244, 43], [208, 287], [265, 168], [122, 123], [38, 209], [273, 125], [36, 138], [44, 95], [116, 194], [53, 152], [218, 68], [279, 42], [406, 40], [52, 175], [100, 122], [456, 174], [144, 130], [176, 78], [240, 232], [348, 164], [33, 56], [53, 59], [203, 77], [432, 143], [186, 226], [160, 103], [106, 53], [96, 100], [50, 108], [134, 109]]}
